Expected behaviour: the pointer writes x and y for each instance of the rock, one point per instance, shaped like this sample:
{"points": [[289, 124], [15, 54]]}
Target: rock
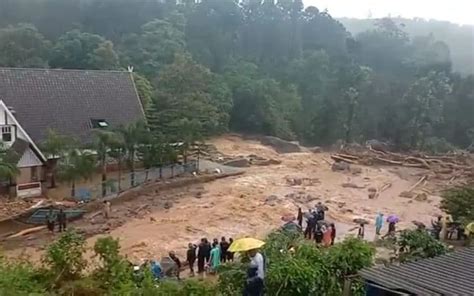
{"points": [[373, 193], [356, 171], [294, 181], [407, 194], [271, 200], [341, 204], [340, 166], [238, 163], [168, 205], [152, 219], [316, 149], [347, 211], [280, 146], [198, 195], [378, 145], [352, 185], [421, 197], [265, 162]]}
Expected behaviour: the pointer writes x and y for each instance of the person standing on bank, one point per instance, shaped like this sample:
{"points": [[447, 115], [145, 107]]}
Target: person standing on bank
{"points": [[224, 247], [300, 218], [50, 220], [62, 220], [191, 258], [378, 223]]}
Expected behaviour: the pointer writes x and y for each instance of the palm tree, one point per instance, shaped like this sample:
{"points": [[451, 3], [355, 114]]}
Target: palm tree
{"points": [[8, 162], [104, 140], [55, 146], [150, 153], [76, 165], [189, 132], [133, 135], [117, 152]]}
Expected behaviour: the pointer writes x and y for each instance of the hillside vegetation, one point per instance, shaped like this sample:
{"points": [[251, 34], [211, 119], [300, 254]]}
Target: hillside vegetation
{"points": [[262, 67], [459, 38]]}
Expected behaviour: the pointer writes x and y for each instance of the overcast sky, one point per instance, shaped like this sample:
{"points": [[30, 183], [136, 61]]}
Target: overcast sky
{"points": [[457, 11]]}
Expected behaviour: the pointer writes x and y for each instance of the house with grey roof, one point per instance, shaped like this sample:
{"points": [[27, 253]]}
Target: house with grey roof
{"points": [[447, 275], [70, 102]]}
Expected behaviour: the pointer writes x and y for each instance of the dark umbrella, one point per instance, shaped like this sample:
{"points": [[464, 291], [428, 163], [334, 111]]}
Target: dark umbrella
{"points": [[360, 221]]}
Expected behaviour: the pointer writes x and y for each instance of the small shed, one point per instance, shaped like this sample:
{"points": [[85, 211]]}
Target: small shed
{"points": [[450, 274]]}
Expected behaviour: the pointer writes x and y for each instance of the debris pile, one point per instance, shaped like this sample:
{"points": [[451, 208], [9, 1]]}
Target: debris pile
{"points": [[452, 167], [210, 152]]}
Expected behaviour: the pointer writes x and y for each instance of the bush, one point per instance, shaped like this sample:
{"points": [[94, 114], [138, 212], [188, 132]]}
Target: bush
{"points": [[20, 278], [458, 202], [185, 288], [232, 278], [115, 274], [437, 146], [350, 256], [310, 270], [64, 257], [418, 244]]}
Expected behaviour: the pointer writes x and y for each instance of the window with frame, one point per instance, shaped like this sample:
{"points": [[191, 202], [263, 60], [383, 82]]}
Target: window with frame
{"points": [[6, 133]]}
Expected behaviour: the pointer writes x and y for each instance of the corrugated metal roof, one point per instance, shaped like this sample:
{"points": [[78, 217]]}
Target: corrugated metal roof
{"points": [[451, 274]]}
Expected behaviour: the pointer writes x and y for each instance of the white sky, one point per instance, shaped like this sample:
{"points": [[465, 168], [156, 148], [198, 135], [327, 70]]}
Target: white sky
{"points": [[456, 11]]}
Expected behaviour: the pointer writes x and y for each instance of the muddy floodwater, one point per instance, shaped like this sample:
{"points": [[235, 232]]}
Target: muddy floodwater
{"points": [[252, 204]]}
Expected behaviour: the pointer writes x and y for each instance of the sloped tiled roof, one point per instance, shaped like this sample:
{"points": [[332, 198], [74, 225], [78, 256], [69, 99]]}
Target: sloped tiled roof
{"points": [[451, 274], [67, 100]]}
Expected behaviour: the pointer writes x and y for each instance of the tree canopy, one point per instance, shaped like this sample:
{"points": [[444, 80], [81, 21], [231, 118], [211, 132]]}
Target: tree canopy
{"points": [[268, 67]]}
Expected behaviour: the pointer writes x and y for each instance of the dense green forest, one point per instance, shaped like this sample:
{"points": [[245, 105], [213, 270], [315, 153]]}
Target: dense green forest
{"points": [[266, 67], [459, 38]]}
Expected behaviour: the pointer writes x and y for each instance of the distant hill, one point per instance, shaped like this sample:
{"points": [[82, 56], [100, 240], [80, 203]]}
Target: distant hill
{"points": [[460, 39]]}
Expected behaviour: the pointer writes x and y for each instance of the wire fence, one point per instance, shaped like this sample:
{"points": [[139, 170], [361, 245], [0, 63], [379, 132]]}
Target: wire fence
{"points": [[127, 181]]}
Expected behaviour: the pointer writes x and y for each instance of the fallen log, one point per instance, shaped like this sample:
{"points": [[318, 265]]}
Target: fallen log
{"points": [[348, 156], [327, 161], [418, 160], [393, 162], [95, 215], [444, 171], [339, 158], [28, 231], [418, 183], [376, 151], [385, 187]]}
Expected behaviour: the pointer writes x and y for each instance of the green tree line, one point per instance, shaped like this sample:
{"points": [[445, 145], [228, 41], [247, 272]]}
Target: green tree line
{"points": [[260, 66]]}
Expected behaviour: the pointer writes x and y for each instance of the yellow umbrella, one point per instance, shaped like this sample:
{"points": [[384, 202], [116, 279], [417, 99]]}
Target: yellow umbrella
{"points": [[245, 244], [469, 229]]}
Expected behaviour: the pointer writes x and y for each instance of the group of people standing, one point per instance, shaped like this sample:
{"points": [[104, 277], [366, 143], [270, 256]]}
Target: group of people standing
{"points": [[52, 218], [316, 227], [209, 255]]}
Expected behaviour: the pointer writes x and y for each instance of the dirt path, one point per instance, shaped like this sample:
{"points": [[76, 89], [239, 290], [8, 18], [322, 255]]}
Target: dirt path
{"points": [[252, 204]]}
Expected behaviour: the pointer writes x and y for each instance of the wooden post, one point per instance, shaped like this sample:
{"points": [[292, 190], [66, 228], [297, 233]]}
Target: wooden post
{"points": [[347, 287]]}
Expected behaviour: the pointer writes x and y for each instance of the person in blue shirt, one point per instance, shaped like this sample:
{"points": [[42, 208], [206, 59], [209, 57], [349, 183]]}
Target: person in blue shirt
{"points": [[156, 270], [378, 223]]}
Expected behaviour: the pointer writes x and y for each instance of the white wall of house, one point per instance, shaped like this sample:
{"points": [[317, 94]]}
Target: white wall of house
{"points": [[9, 131]]}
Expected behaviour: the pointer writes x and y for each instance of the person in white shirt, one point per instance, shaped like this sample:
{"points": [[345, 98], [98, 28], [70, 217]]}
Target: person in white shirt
{"points": [[257, 259]]}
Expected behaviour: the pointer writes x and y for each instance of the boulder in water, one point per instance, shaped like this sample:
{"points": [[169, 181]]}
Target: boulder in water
{"points": [[238, 163], [280, 146], [341, 166]]}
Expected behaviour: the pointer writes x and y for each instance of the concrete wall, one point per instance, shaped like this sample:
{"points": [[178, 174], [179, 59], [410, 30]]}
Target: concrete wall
{"points": [[25, 175]]}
